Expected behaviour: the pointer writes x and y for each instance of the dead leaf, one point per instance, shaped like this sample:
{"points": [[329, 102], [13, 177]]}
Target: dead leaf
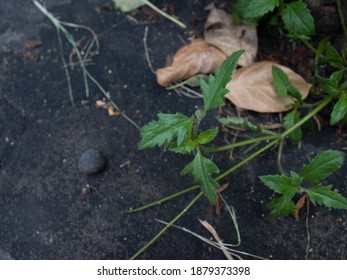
{"points": [[298, 206], [251, 88], [198, 57], [112, 112], [229, 38]]}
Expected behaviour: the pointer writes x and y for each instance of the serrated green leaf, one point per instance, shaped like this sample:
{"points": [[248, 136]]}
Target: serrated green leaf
{"points": [[283, 85], [185, 147], [207, 136], [325, 196], [255, 8], [298, 19], [339, 110], [322, 166], [282, 184], [238, 122], [202, 168], [331, 85], [214, 90], [128, 5], [333, 56], [289, 121], [164, 131], [282, 206]]}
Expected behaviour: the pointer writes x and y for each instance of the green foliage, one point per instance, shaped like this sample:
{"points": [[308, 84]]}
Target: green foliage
{"points": [[322, 166], [163, 132], [239, 122], [298, 19], [255, 8], [289, 121], [283, 85], [214, 90], [295, 16], [179, 133], [333, 56], [339, 110], [325, 196], [202, 168]]}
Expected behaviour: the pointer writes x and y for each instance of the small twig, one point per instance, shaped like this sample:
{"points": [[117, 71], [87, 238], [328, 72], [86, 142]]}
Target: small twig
{"points": [[146, 50], [216, 236]]}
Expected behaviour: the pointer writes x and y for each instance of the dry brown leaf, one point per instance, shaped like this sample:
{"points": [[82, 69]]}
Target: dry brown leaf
{"points": [[229, 38], [198, 57], [112, 112], [298, 206], [251, 88]]}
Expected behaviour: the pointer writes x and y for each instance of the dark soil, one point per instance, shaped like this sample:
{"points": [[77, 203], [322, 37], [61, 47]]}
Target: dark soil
{"points": [[49, 209]]}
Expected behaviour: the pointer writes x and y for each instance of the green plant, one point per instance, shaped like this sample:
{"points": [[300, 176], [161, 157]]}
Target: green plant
{"points": [[180, 134], [319, 168], [294, 16]]}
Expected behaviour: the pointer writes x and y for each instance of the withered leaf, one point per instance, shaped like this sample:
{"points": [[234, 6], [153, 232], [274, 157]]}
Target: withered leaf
{"points": [[198, 57], [229, 38], [252, 88]]}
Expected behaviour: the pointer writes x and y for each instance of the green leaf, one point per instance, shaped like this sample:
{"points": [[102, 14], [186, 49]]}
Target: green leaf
{"points": [[282, 206], [298, 19], [238, 122], [340, 110], [289, 121], [333, 56], [185, 147], [282, 184], [163, 132], [214, 90], [325, 196], [207, 136], [331, 85], [202, 169], [128, 5], [283, 85], [255, 8], [323, 165], [321, 48]]}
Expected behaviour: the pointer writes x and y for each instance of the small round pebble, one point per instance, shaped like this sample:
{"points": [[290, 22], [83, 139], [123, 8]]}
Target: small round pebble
{"points": [[91, 161]]}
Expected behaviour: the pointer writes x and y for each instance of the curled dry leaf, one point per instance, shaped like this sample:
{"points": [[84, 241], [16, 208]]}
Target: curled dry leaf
{"points": [[229, 38], [252, 88], [198, 57]]}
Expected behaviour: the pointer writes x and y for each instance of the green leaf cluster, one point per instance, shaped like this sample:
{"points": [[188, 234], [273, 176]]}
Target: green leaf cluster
{"points": [[180, 134], [322, 166], [296, 17]]}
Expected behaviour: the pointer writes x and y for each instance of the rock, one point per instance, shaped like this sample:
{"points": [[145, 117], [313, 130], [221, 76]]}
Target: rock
{"points": [[91, 161]]}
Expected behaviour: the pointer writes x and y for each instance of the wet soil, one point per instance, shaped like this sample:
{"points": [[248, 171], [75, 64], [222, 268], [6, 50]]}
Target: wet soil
{"points": [[51, 210]]}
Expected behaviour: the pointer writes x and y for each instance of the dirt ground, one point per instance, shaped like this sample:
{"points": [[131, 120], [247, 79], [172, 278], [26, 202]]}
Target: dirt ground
{"points": [[45, 211]]}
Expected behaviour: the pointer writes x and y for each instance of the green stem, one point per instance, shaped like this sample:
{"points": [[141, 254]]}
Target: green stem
{"points": [[319, 107], [311, 47], [174, 220], [241, 163], [341, 18], [238, 144], [161, 200], [174, 20], [279, 158]]}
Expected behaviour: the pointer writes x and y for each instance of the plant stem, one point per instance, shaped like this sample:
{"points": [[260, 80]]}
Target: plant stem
{"points": [[161, 200], [341, 18], [241, 163], [174, 20], [238, 144], [319, 107], [148, 244]]}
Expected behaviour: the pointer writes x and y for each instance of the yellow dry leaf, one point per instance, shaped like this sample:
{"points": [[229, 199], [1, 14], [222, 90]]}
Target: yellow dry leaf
{"points": [[251, 88], [198, 57], [229, 38]]}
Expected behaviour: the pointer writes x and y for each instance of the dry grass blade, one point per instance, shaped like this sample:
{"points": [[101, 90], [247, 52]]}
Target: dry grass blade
{"points": [[217, 238]]}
